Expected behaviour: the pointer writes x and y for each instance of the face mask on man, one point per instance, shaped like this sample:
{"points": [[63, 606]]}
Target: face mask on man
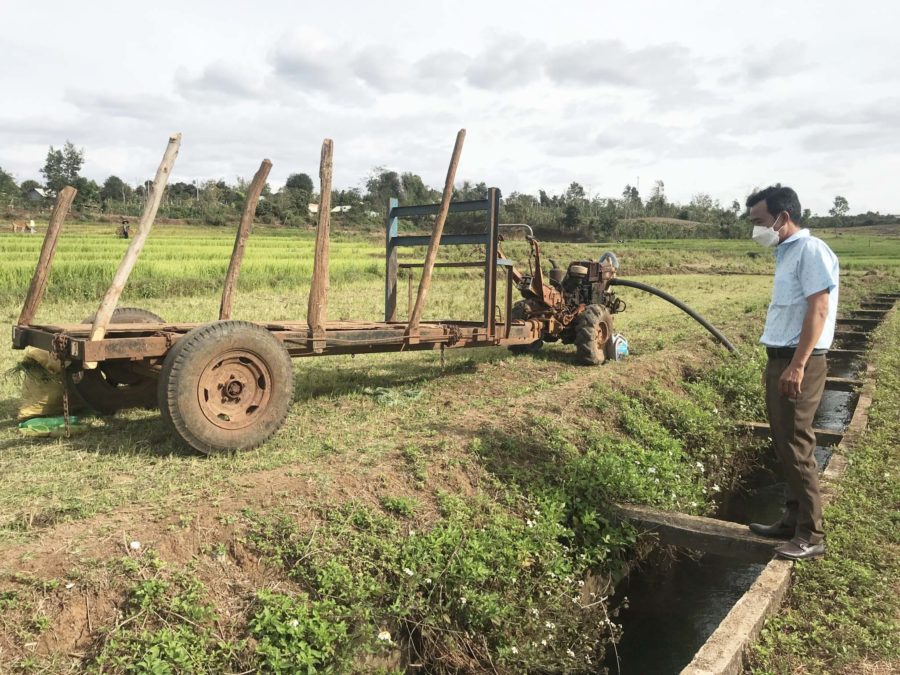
{"points": [[766, 236]]}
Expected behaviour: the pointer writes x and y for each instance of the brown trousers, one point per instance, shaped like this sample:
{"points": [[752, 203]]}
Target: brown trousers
{"points": [[790, 422]]}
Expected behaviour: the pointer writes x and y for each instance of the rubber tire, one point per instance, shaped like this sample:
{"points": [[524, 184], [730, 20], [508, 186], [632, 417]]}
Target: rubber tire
{"points": [[98, 387], [180, 375], [517, 313], [586, 328]]}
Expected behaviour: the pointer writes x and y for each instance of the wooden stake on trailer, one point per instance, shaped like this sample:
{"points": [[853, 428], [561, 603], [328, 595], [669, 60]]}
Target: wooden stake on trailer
{"points": [[240, 240], [48, 250], [318, 289], [111, 299], [412, 327]]}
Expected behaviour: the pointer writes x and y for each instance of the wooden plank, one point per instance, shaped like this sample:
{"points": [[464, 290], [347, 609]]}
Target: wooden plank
{"points": [[425, 281], [240, 240], [48, 251], [318, 289], [111, 299], [700, 533]]}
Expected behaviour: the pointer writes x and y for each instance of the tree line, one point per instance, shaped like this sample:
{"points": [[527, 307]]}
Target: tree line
{"points": [[572, 214]]}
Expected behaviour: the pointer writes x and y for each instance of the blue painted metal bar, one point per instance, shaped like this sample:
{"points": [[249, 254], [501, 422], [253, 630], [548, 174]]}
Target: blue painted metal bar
{"points": [[432, 209], [448, 239], [390, 272]]}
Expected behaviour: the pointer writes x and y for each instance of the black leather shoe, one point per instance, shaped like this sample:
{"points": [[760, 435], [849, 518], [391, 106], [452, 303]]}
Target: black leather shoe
{"points": [[800, 550], [779, 530]]}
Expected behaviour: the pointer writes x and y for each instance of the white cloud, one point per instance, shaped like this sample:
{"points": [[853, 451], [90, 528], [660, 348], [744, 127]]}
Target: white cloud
{"points": [[697, 96]]}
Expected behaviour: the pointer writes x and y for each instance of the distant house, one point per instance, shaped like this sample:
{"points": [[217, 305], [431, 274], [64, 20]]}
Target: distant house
{"points": [[341, 209], [313, 208], [37, 195]]}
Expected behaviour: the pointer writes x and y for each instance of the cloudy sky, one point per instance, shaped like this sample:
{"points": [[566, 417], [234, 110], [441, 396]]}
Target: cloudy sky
{"points": [[707, 96]]}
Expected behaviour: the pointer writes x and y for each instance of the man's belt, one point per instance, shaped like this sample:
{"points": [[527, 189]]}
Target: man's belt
{"points": [[788, 352]]}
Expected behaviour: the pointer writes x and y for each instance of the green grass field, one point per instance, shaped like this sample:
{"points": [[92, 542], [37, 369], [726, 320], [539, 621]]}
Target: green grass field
{"points": [[387, 464]]}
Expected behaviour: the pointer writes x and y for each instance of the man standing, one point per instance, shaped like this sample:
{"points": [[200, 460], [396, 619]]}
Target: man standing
{"points": [[798, 333]]}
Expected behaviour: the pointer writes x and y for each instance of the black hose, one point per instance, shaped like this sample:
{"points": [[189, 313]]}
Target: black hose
{"points": [[680, 305]]}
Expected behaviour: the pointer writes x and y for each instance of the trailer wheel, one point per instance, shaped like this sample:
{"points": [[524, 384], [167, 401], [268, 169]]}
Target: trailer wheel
{"points": [[517, 313], [226, 386], [111, 386], [593, 336]]}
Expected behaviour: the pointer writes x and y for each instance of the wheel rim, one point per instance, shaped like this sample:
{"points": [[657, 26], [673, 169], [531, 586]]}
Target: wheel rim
{"points": [[603, 334], [234, 389]]}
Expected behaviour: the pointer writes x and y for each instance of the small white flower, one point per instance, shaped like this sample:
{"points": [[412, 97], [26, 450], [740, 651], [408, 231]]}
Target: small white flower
{"points": [[694, 505], [570, 653], [575, 601], [652, 469], [408, 572], [581, 582], [534, 611], [550, 625], [384, 636], [135, 545], [700, 466], [463, 600], [544, 643], [716, 488], [293, 623], [514, 650], [428, 580], [529, 522]]}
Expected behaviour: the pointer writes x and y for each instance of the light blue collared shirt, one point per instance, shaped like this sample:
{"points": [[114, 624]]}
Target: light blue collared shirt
{"points": [[804, 265]]}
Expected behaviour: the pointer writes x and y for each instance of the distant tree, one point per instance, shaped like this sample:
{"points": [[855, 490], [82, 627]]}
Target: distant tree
{"points": [[657, 204], [631, 201], [571, 217], [737, 208], [62, 167], [415, 191], [381, 185], [469, 190], [27, 186], [841, 207], [301, 182], [115, 189], [575, 193], [88, 196], [807, 214], [8, 187]]}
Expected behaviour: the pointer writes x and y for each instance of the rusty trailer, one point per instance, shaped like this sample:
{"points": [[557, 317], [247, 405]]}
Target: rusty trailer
{"points": [[227, 385]]}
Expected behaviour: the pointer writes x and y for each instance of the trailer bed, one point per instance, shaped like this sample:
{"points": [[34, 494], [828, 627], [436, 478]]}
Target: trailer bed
{"points": [[152, 341]]}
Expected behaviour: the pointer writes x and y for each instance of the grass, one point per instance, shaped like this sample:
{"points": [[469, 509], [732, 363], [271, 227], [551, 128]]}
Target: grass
{"points": [[843, 612], [488, 478]]}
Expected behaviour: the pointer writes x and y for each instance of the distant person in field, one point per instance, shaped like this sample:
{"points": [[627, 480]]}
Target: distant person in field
{"points": [[799, 331]]}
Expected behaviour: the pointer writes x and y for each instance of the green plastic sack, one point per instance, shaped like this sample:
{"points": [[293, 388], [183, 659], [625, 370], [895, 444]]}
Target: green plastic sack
{"points": [[53, 426]]}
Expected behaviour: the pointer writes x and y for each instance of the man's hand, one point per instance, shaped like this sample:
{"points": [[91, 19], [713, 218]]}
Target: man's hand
{"points": [[791, 379]]}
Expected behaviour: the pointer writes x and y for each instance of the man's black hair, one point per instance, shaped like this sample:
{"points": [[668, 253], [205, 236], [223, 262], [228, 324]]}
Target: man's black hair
{"points": [[778, 199]]}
